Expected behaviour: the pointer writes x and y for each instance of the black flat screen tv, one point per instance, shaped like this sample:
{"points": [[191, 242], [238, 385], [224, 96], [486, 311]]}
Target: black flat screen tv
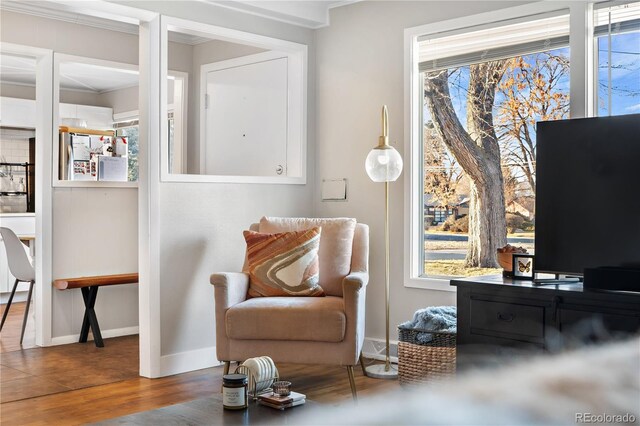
{"points": [[588, 194]]}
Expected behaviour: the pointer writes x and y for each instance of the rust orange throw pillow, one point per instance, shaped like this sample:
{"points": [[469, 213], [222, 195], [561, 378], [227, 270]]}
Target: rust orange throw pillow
{"points": [[283, 264]]}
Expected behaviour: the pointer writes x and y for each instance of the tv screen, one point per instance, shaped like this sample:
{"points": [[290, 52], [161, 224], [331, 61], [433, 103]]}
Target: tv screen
{"points": [[588, 194]]}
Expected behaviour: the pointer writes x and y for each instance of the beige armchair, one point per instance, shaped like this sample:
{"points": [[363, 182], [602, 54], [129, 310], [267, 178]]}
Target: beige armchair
{"points": [[304, 330]]}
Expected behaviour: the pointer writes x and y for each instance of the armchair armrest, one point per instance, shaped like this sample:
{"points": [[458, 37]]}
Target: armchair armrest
{"points": [[230, 288], [354, 288], [354, 282]]}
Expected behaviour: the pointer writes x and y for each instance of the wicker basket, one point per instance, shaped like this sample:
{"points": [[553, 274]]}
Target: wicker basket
{"points": [[419, 362]]}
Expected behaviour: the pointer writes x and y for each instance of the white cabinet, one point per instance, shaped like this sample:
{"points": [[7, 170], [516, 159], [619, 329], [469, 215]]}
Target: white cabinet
{"points": [[16, 112]]}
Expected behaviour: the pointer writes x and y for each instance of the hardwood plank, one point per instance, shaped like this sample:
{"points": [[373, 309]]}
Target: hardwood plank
{"points": [[8, 373], [323, 384], [10, 336], [28, 387], [82, 399], [97, 280]]}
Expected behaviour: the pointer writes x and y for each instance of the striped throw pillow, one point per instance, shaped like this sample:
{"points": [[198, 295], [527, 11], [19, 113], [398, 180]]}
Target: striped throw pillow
{"points": [[283, 264]]}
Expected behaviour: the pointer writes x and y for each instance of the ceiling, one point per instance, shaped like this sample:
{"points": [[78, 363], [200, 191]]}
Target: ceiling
{"points": [[17, 70], [73, 75]]}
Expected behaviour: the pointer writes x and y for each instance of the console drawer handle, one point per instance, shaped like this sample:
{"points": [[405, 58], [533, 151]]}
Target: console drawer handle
{"points": [[507, 317]]}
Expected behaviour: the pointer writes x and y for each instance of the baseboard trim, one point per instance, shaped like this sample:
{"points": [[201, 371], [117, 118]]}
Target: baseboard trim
{"points": [[183, 362], [20, 296], [375, 349], [114, 332]]}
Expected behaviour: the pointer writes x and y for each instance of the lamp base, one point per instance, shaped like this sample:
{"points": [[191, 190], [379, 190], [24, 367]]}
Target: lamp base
{"points": [[377, 371]]}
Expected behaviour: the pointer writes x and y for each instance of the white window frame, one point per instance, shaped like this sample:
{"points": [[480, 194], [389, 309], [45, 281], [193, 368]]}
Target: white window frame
{"points": [[181, 116], [58, 59], [297, 104], [581, 105], [596, 59]]}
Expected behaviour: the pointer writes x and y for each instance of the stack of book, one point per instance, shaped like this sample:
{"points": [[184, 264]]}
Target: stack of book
{"points": [[282, 402]]}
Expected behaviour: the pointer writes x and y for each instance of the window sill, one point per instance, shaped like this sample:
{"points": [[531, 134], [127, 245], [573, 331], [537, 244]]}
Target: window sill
{"points": [[424, 283], [195, 178]]}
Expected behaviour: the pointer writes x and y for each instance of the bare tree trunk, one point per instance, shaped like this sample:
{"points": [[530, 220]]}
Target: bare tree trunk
{"points": [[478, 153], [486, 219]]}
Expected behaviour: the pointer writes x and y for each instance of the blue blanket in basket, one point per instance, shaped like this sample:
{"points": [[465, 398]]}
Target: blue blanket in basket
{"points": [[434, 318]]}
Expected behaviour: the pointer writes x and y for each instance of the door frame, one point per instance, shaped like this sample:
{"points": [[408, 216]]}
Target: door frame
{"points": [[45, 130], [43, 196]]}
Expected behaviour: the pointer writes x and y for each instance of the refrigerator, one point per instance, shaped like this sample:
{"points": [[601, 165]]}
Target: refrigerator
{"points": [[92, 155]]}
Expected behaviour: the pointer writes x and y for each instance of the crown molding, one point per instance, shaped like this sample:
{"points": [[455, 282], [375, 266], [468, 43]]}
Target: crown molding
{"points": [[286, 17], [60, 12]]}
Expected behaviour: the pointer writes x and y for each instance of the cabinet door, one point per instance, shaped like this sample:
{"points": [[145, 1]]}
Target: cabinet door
{"points": [[507, 320], [579, 325], [246, 119]]}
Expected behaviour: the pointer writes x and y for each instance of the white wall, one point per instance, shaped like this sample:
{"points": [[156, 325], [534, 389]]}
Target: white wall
{"points": [[66, 96], [201, 224], [121, 100], [94, 230], [359, 68]]}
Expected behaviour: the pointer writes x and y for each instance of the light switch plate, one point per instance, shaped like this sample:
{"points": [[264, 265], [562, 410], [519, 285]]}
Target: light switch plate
{"points": [[334, 189]]}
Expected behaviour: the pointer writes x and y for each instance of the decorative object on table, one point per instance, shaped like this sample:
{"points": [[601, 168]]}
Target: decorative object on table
{"points": [[269, 254], [234, 391], [384, 164], [282, 388], [280, 402], [505, 258], [427, 346], [523, 267], [261, 373]]}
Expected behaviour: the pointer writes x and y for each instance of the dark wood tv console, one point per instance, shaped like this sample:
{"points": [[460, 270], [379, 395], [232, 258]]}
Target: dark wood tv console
{"points": [[501, 316]]}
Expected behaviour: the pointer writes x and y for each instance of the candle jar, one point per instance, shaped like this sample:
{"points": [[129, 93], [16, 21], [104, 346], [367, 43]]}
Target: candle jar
{"points": [[234, 391]]}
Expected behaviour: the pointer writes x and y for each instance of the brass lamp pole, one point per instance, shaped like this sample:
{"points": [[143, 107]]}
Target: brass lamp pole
{"points": [[384, 164]]}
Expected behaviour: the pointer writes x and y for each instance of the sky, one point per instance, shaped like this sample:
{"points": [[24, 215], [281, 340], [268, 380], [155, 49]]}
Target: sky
{"points": [[625, 77], [625, 74]]}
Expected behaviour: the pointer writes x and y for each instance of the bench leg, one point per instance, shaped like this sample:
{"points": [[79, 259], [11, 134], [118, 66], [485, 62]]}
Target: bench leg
{"points": [[90, 320]]}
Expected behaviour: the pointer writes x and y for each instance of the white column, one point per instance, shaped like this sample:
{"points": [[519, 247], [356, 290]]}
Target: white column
{"points": [[581, 60], [152, 93]]}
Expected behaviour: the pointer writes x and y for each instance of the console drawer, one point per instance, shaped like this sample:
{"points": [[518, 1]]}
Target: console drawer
{"points": [[506, 318]]}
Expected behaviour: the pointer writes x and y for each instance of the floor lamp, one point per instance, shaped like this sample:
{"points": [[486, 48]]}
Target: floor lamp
{"points": [[384, 164]]}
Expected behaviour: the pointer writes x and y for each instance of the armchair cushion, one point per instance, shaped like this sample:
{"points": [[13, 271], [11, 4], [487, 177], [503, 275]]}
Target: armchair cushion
{"points": [[318, 319], [336, 245], [283, 264]]}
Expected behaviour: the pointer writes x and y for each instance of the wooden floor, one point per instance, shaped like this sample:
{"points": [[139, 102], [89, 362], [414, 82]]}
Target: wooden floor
{"points": [[10, 336], [79, 384]]}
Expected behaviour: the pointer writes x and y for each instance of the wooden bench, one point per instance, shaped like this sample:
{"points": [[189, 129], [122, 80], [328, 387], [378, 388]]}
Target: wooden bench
{"points": [[89, 287]]}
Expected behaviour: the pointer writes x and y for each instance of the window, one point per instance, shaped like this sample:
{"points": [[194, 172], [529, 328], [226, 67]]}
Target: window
{"points": [[617, 37], [129, 131], [476, 87], [483, 91]]}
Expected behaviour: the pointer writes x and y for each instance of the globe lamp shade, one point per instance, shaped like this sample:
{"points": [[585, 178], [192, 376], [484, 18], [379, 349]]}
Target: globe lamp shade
{"points": [[383, 164]]}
